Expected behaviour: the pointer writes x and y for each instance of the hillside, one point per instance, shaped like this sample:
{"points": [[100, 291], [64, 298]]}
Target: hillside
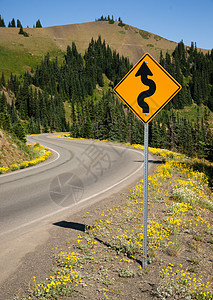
{"points": [[19, 53], [129, 41], [10, 150], [78, 71]]}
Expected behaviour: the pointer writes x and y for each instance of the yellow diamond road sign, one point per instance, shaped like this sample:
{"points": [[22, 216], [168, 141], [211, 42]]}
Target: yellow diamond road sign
{"points": [[147, 88]]}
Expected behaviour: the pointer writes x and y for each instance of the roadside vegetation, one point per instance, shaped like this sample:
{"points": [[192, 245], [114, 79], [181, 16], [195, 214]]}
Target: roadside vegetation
{"points": [[106, 259], [16, 154]]}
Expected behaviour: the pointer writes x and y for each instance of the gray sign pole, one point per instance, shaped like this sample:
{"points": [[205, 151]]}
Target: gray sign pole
{"points": [[145, 200]]}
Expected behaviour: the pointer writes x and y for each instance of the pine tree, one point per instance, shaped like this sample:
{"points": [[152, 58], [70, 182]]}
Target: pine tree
{"points": [[172, 134], [3, 103], [38, 24], [18, 129], [5, 122], [13, 23], [21, 31], [162, 60], [14, 117], [18, 23], [155, 136], [2, 24], [3, 82]]}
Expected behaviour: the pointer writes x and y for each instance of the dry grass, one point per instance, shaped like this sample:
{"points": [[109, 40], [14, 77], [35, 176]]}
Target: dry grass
{"points": [[19, 53]]}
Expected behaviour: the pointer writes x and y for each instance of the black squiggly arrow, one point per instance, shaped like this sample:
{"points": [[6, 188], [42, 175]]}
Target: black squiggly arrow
{"points": [[144, 71]]}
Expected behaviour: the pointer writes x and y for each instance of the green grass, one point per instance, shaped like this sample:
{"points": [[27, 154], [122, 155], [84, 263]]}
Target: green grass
{"points": [[18, 61], [190, 113]]}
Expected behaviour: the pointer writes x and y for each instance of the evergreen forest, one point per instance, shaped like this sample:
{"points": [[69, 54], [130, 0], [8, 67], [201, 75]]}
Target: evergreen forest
{"points": [[39, 98]]}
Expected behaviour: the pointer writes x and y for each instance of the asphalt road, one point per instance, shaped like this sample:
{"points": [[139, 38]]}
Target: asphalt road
{"points": [[78, 173]]}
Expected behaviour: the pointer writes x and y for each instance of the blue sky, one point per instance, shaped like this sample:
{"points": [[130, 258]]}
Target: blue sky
{"points": [[176, 20]]}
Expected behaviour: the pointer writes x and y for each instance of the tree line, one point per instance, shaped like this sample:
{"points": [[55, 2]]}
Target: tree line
{"points": [[40, 96], [17, 23], [194, 71], [111, 20]]}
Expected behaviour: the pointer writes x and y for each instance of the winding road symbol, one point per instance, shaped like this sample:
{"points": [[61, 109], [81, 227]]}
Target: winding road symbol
{"points": [[144, 71], [147, 88]]}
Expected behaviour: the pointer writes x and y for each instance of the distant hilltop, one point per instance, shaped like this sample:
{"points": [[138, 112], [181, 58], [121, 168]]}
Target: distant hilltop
{"points": [[20, 52]]}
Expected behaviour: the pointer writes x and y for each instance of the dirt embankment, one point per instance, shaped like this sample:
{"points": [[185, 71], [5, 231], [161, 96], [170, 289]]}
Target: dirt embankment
{"points": [[10, 151]]}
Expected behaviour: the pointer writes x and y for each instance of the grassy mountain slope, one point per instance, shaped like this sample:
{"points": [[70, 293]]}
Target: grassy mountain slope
{"points": [[128, 41], [19, 53]]}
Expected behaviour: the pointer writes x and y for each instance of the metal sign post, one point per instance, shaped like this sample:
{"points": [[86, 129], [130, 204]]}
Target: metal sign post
{"points": [[146, 104], [145, 200]]}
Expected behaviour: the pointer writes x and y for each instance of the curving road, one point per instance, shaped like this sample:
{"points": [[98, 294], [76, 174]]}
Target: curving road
{"points": [[78, 173]]}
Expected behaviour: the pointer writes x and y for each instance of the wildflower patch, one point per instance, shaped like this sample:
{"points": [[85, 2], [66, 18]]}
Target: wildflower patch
{"points": [[39, 154]]}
